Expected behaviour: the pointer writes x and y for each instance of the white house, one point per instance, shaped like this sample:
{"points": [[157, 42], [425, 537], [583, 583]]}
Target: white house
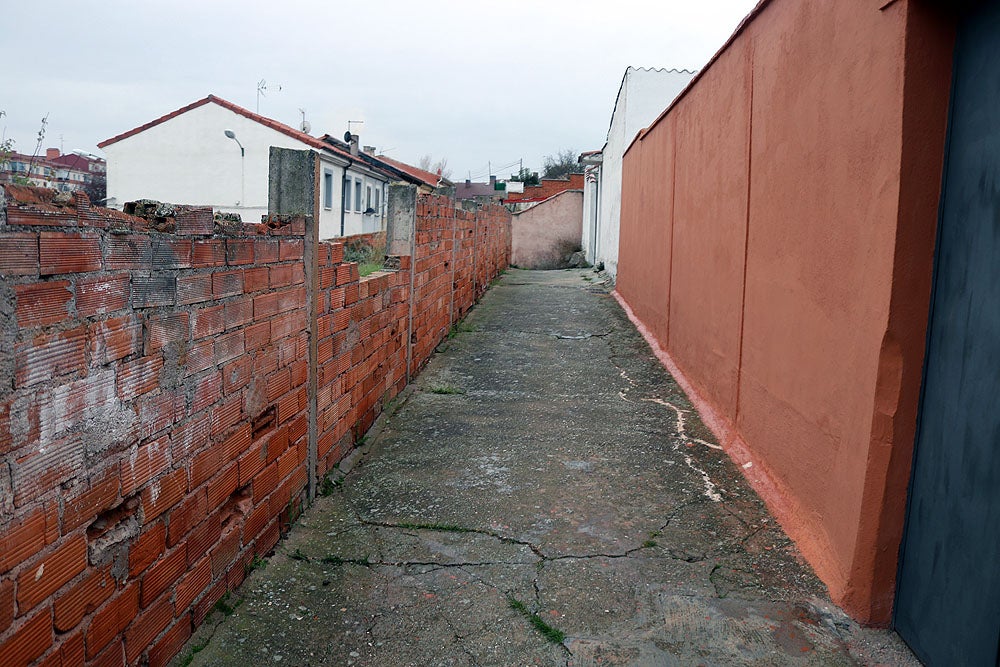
{"points": [[642, 97], [215, 153]]}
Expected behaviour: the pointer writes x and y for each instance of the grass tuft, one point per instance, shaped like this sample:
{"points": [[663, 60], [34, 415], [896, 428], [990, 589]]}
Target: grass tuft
{"points": [[444, 527], [257, 563], [328, 486], [222, 604], [446, 389], [368, 268], [337, 560], [460, 327], [554, 635]]}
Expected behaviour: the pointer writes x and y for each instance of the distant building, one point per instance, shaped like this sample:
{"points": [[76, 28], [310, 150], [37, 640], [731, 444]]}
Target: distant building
{"points": [[545, 234], [483, 193], [546, 188], [644, 94], [65, 173]]}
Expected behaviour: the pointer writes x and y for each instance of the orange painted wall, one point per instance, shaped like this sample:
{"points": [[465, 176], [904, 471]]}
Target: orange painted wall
{"points": [[804, 164], [710, 215], [645, 281]]}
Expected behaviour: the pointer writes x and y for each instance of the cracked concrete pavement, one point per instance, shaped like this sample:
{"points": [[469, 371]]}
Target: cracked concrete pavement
{"points": [[543, 494]]}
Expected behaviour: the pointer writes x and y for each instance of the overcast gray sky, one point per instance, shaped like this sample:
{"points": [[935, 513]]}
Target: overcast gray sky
{"points": [[473, 82]]}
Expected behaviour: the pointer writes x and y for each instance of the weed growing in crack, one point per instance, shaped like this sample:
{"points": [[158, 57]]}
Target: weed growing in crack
{"points": [[299, 555], [227, 609], [257, 563], [337, 560], [460, 327], [445, 527], [649, 544], [446, 389], [554, 635], [328, 486], [195, 650]]}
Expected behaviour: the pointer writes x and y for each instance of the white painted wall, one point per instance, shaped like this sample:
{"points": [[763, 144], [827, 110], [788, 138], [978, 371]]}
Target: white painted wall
{"points": [[355, 221], [644, 94], [591, 204], [329, 218], [189, 160]]}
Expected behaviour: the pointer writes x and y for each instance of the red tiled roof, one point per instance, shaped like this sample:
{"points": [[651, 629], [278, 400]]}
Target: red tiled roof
{"points": [[428, 178], [74, 161], [287, 130], [24, 157]]}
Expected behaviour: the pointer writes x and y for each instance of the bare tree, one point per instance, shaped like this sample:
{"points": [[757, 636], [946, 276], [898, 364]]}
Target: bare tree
{"points": [[427, 163], [561, 165]]}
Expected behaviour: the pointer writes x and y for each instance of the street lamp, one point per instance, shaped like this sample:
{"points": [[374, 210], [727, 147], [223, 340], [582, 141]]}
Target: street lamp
{"points": [[243, 194]]}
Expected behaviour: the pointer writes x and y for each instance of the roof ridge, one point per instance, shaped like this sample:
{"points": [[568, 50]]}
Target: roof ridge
{"points": [[682, 70], [275, 125]]}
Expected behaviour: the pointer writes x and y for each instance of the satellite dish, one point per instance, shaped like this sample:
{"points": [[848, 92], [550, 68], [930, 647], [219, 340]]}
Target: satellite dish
{"points": [[347, 136], [306, 126]]}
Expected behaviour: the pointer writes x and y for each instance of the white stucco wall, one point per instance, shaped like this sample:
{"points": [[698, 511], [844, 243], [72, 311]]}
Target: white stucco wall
{"points": [[355, 222], [329, 218], [189, 160], [644, 94], [591, 203]]}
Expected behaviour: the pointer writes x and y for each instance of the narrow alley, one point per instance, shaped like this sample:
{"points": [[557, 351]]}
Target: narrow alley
{"points": [[541, 494]]}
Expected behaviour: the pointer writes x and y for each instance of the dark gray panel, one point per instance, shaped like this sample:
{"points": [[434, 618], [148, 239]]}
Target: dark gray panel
{"points": [[948, 600]]}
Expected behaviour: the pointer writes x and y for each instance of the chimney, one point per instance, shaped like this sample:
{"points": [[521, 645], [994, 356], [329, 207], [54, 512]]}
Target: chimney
{"points": [[468, 182], [493, 179], [51, 153], [354, 144], [369, 150]]}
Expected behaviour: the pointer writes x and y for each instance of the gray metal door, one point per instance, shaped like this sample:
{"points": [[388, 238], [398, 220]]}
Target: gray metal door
{"points": [[948, 594]]}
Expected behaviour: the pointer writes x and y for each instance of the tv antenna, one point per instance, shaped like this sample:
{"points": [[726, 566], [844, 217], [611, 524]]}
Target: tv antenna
{"points": [[262, 90]]}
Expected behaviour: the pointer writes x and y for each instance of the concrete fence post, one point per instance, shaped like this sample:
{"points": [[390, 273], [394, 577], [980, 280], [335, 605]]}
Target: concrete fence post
{"points": [[401, 220], [293, 189], [401, 239]]}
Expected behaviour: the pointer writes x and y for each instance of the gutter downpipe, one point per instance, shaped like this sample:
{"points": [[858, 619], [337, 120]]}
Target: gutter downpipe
{"points": [[343, 195]]}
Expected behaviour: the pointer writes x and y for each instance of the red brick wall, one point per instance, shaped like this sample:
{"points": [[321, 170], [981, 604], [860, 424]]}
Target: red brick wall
{"points": [[154, 403], [547, 188], [362, 349], [458, 253]]}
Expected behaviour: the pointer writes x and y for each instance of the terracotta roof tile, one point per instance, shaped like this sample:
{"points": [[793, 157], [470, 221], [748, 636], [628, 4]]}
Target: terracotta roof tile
{"points": [[426, 177]]}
